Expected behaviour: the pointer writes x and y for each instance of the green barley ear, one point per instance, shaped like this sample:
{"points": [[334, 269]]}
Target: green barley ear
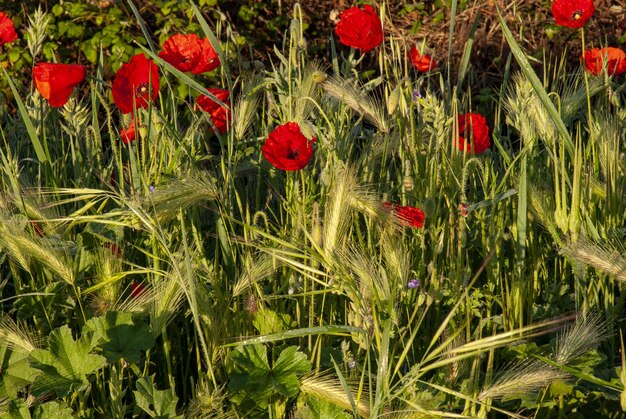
{"points": [[609, 261], [307, 91], [581, 337], [37, 31], [255, 269], [330, 389], [573, 94], [246, 108], [208, 402], [164, 304], [435, 120], [346, 195], [75, 117], [17, 337], [168, 199], [607, 131], [542, 207], [348, 92], [24, 249], [521, 379], [526, 113]]}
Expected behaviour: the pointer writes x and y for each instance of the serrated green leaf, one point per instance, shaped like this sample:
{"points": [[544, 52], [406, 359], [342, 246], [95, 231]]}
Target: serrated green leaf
{"points": [[119, 337], [16, 372], [16, 409], [251, 377], [321, 409], [66, 363], [159, 404], [53, 410]]}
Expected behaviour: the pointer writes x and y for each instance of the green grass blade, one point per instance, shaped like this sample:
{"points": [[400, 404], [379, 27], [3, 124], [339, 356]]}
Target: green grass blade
{"points": [[467, 51], [214, 42], [142, 25], [345, 386], [536, 83], [453, 7], [32, 133], [298, 333]]}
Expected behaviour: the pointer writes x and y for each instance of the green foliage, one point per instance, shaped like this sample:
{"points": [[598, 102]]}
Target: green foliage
{"points": [[159, 404], [118, 336], [254, 383], [181, 275], [66, 364]]}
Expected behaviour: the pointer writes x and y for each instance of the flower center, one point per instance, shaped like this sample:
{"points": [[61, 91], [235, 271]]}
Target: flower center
{"points": [[142, 89], [577, 15], [293, 154]]}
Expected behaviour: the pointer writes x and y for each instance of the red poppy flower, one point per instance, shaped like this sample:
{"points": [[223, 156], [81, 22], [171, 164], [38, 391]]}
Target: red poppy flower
{"points": [[136, 82], [55, 82], [129, 134], [360, 28], [287, 148], [7, 29], [137, 290], [572, 13], [423, 63], [190, 53], [614, 58], [114, 248], [463, 209], [410, 216], [219, 114], [473, 126]]}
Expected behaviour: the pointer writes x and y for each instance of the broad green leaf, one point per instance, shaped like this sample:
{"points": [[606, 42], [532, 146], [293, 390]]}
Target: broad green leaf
{"points": [[16, 409], [66, 363], [321, 409], [119, 337], [267, 321], [53, 410], [252, 377], [16, 372], [159, 404], [290, 362]]}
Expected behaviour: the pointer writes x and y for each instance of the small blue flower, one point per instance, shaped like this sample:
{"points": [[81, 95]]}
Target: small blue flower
{"points": [[351, 363], [414, 283], [151, 188], [416, 95]]}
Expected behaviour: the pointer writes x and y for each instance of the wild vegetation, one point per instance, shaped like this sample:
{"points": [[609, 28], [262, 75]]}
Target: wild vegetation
{"points": [[300, 240]]}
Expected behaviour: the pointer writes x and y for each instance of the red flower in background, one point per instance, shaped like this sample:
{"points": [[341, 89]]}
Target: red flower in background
{"points": [[410, 216], [473, 126], [129, 134], [287, 148], [137, 290], [423, 63], [190, 53], [572, 13], [136, 81], [7, 29], [360, 28], [219, 114], [614, 58], [55, 82]]}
